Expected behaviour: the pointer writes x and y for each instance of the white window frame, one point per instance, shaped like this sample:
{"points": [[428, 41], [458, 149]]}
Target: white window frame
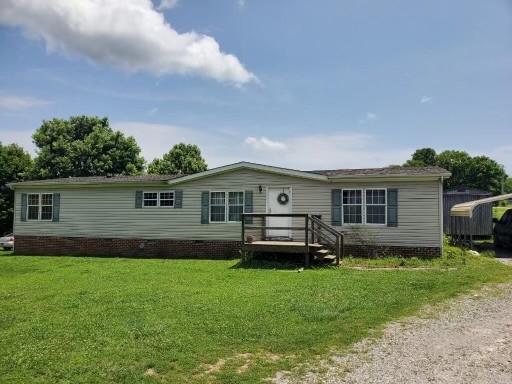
{"points": [[364, 207], [39, 206], [226, 206], [343, 206], [158, 200], [385, 205]]}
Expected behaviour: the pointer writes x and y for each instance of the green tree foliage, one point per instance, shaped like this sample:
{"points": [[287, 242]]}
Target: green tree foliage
{"points": [[427, 156], [182, 158], [84, 146], [479, 172], [15, 165], [508, 186]]}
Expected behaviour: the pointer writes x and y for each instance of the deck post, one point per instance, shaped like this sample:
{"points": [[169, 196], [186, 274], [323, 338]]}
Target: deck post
{"points": [[312, 232], [306, 240], [338, 250], [243, 231]]}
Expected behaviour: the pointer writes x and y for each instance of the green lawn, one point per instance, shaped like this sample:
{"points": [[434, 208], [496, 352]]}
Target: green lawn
{"points": [[114, 320], [497, 212]]}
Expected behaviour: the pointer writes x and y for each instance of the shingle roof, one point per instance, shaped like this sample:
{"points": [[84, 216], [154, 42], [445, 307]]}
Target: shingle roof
{"points": [[106, 179], [388, 171], [161, 179]]}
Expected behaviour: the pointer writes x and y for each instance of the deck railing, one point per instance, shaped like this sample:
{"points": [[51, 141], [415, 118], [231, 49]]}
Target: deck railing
{"points": [[314, 230]]}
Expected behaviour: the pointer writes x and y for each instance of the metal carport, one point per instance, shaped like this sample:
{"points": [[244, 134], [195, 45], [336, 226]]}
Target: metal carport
{"points": [[461, 217]]}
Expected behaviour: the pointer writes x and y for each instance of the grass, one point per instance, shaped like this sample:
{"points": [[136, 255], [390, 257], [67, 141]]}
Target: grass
{"points": [[497, 212], [115, 320]]}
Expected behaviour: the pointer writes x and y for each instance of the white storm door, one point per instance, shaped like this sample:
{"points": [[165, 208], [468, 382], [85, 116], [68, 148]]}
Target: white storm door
{"points": [[276, 206]]}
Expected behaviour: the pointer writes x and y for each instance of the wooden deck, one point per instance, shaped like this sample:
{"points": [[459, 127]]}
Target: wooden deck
{"points": [[317, 234], [280, 246]]}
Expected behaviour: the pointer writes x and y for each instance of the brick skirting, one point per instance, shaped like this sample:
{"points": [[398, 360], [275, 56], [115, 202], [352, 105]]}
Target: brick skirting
{"points": [[174, 249], [163, 249]]}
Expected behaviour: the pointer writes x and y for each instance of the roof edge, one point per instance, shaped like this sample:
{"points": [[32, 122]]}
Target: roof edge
{"points": [[248, 165]]}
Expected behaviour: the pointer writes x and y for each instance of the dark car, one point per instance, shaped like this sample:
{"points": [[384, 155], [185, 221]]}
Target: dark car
{"points": [[503, 230]]}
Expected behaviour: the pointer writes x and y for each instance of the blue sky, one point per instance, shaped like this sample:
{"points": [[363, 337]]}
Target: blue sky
{"points": [[302, 84]]}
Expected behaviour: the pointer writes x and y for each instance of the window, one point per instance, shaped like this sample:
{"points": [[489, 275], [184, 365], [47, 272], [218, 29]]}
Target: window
{"points": [[40, 206], [352, 204], [217, 206], [232, 209], [236, 206], [364, 208], [158, 199], [375, 206]]}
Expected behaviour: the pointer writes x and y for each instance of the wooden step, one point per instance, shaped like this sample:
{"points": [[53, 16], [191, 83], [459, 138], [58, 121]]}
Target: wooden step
{"points": [[322, 253], [331, 258]]}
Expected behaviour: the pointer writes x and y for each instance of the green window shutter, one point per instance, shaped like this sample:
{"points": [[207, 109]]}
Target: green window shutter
{"points": [[178, 198], [393, 207], [138, 199], [24, 202], [336, 206], [56, 207], [248, 206], [205, 207]]}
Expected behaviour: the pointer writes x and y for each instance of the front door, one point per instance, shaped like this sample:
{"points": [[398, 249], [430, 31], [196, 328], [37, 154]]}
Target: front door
{"points": [[279, 200]]}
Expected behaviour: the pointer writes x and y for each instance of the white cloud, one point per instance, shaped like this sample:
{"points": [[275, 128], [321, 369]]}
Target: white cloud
{"points": [[425, 99], [167, 4], [16, 103], [264, 144], [152, 111], [20, 137], [319, 151], [241, 3], [126, 34], [370, 116]]}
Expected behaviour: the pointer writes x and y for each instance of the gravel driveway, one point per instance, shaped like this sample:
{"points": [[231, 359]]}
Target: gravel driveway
{"points": [[466, 340]]}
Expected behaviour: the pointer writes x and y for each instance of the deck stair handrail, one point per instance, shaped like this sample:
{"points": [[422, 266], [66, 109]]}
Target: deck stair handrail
{"points": [[318, 229], [315, 230]]}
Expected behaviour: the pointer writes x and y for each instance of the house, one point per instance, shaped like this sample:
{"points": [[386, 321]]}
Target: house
{"points": [[200, 215]]}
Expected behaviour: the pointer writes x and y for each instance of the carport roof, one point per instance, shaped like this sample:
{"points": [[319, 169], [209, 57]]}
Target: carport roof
{"points": [[466, 209]]}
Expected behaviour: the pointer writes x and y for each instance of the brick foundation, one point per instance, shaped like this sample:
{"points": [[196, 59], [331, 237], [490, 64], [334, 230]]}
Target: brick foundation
{"points": [[163, 249], [174, 249]]}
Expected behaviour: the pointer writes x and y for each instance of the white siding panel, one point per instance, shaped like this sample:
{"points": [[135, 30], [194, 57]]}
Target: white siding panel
{"points": [[110, 212]]}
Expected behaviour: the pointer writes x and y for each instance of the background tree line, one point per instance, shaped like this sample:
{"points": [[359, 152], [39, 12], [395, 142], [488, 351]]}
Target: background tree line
{"points": [[478, 172], [83, 146], [87, 146]]}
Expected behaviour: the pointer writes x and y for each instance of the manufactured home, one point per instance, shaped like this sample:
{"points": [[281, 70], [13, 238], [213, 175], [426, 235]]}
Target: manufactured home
{"points": [[200, 215]]}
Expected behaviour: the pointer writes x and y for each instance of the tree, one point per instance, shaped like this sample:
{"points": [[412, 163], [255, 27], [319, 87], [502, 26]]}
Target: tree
{"points": [[84, 146], [479, 172], [508, 185], [182, 158], [15, 165], [423, 157], [456, 162]]}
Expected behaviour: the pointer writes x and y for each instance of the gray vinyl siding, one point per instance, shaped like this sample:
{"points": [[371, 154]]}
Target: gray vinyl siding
{"points": [[111, 213]]}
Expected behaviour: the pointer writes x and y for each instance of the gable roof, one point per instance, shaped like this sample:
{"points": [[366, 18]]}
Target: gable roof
{"points": [[320, 175]]}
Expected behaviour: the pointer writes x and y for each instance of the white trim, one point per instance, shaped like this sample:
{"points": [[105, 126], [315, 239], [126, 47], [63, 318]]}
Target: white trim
{"points": [[364, 207], [158, 199], [290, 203], [40, 206], [226, 206], [247, 165]]}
